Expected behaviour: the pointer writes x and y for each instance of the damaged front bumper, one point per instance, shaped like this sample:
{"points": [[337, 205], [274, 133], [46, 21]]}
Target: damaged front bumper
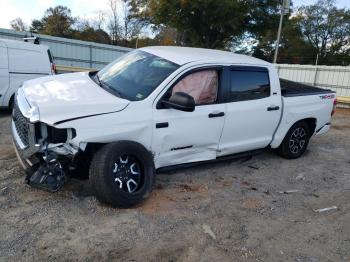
{"points": [[41, 161], [31, 151], [41, 149], [32, 155], [25, 152]]}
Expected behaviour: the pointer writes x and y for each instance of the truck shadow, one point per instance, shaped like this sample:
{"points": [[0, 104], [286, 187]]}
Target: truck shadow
{"points": [[201, 166], [5, 112], [80, 186]]}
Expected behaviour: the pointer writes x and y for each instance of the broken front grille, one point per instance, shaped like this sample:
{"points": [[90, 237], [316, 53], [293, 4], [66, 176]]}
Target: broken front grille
{"points": [[21, 125]]}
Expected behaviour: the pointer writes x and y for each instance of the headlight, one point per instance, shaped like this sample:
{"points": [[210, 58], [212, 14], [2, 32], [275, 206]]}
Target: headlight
{"points": [[33, 114]]}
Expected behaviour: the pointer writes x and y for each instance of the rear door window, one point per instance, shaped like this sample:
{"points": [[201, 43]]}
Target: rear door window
{"points": [[248, 83]]}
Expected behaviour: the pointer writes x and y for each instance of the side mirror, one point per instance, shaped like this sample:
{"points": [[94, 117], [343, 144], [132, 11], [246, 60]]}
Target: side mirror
{"points": [[180, 101]]}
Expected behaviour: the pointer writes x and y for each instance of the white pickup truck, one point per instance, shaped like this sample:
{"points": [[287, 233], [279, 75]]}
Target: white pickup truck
{"points": [[159, 107]]}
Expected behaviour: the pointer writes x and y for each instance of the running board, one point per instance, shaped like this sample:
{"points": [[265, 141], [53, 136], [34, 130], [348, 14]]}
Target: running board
{"points": [[217, 160]]}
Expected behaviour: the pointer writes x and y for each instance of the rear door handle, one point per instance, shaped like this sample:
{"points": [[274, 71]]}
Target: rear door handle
{"points": [[162, 125], [220, 114], [273, 108]]}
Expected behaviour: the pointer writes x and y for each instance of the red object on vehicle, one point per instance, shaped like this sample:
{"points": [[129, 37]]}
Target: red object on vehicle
{"points": [[53, 68], [334, 106]]}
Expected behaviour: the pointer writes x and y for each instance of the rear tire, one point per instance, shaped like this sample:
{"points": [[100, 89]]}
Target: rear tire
{"points": [[122, 174], [295, 142]]}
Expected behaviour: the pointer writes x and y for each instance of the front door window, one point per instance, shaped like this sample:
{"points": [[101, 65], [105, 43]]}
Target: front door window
{"points": [[202, 86]]}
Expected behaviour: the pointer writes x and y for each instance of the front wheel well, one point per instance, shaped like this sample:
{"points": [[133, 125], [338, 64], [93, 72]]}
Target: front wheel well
{"points": [[83, 159], [11, 102], [91, 148]]}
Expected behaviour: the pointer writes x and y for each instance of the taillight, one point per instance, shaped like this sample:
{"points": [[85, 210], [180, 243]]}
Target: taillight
{"points": [[334, 106], [53, 68]]}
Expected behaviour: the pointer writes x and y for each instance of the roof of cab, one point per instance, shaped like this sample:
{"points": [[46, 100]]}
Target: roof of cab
{"points": [[22, 45], [183, 55]]}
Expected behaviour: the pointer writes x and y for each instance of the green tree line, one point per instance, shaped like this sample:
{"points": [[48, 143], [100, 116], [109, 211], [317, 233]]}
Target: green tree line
{"points": [[314, 32]]}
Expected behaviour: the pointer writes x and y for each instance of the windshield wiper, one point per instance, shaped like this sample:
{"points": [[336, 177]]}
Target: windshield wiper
{"points": [[113, 90], [104, 85], [98, 80]]}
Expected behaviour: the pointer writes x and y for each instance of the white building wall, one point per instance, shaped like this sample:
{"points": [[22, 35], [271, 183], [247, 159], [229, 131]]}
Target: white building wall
{"points": [[76, 53]]}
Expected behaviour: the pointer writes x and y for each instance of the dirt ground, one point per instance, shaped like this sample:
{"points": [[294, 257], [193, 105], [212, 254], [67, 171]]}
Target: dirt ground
{"points": [[259, 209]]}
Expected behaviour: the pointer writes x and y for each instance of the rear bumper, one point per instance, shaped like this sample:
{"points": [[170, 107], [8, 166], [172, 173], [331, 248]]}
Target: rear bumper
{"points": [[323, 129]]}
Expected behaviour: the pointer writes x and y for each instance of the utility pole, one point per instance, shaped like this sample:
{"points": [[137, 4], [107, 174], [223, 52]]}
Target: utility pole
{"points": [[316, 70], [284, 10], [316, 63]]}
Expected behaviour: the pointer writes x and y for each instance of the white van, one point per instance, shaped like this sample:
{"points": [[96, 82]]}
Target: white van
{"points": [[21, 61]]}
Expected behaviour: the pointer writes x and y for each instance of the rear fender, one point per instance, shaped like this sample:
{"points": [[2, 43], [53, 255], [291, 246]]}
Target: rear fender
{"points": [[284, 128]]}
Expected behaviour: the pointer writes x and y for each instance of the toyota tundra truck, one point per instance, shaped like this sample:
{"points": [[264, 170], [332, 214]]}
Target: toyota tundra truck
{"points": [[160, 107]]}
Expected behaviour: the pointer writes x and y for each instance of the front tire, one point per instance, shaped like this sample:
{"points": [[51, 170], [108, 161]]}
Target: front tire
{"points": [[11, 103], [295, 142], [122, 174]]}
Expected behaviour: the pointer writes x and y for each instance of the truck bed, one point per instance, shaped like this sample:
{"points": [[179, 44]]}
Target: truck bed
{"points": [[291, 88]]}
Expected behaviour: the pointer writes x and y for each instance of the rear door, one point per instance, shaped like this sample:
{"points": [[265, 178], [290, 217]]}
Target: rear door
{"points": [[253, 110], [4, 73]]}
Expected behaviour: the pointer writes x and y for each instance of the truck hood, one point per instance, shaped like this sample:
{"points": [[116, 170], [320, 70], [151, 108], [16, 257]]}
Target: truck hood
{"points": [[69, 96]]}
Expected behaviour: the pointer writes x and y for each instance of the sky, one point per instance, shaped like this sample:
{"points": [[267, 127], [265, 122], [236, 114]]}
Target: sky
{"points": [[34, 9]]}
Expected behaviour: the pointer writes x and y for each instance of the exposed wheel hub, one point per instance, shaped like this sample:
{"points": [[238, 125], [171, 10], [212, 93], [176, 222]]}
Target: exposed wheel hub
{"points": [[127, 173]]}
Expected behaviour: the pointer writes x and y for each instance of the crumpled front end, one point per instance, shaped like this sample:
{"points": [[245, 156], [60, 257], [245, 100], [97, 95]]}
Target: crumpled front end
{"points": [[41, 149], [23, 133]]}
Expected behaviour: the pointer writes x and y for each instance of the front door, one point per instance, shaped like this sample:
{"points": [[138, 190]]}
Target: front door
{"points": [[183, 137]]}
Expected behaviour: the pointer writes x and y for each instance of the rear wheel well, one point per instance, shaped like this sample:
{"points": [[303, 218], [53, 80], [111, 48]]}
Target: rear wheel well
{"points": [[311, 122]]}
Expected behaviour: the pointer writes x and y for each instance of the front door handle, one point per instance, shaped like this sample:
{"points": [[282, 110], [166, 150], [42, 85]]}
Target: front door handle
{"points": [[273, 108], [220, 114]]}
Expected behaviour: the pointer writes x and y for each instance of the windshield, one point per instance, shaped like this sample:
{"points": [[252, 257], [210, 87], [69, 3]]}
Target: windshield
{"points": [[135, 75]]}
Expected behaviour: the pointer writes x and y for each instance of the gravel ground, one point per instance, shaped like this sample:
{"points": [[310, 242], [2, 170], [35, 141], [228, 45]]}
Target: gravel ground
{"points": [[229, 211]]}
